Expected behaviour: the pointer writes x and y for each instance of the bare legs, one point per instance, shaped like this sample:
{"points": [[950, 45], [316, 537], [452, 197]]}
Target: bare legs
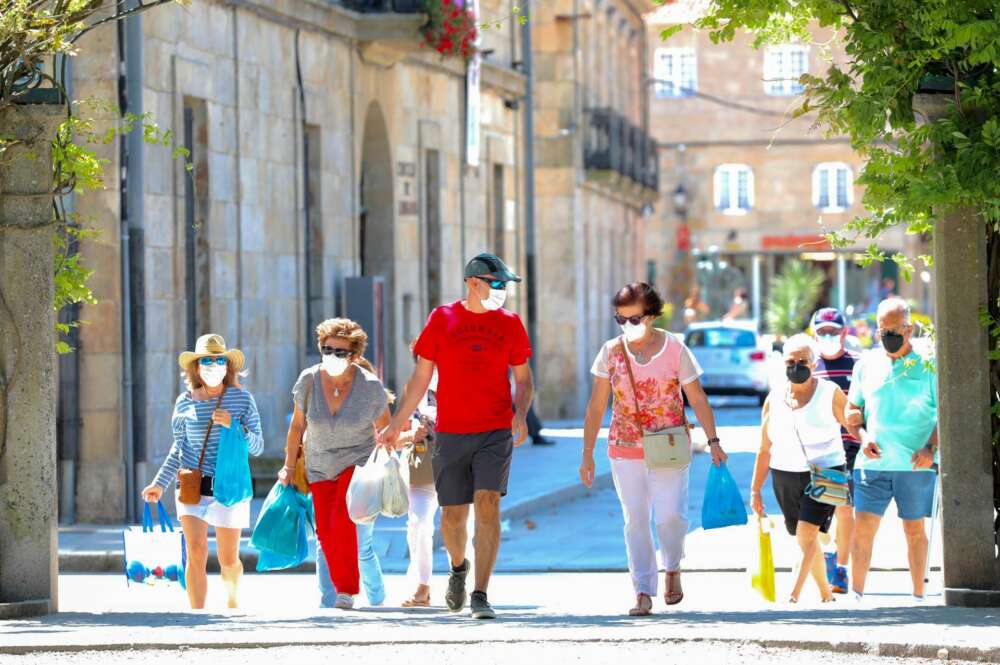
{"points": [[865, 528], [845, 534], [916, 545], [227, 543], [807, 536], [196, 539], [455, 534]]}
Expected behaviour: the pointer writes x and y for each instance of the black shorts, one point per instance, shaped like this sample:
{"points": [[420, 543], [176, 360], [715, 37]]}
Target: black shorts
{"points": [[789, 490], [466, 463]]}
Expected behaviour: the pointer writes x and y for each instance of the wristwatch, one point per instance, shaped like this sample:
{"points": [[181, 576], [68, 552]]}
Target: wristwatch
{"points": [[714, 439]]}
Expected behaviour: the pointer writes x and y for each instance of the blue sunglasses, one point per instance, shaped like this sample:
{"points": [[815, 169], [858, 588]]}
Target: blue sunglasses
{"points": [[497, 284], [208, 361]]}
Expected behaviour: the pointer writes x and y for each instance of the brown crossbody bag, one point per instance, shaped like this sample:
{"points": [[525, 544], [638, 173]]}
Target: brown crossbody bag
{"points": [[189, 480]]}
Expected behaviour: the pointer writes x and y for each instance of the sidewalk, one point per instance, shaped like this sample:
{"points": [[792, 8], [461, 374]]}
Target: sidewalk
{"points": [[541, 477], [99, 612]]}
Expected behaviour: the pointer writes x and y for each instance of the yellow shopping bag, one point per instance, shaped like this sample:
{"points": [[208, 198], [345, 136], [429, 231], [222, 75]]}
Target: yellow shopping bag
{"points": [[762, 561]]}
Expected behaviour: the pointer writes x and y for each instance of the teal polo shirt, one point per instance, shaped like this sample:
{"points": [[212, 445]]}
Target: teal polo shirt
{"points": [[899, 398]]}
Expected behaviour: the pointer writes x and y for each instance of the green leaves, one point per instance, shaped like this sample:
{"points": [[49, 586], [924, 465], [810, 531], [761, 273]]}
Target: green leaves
{"points": [[792, 298]]}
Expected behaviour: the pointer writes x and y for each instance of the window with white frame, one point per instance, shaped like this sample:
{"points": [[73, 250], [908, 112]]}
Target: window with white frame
{"points": [[833, 186], [733, 189], [783, 65], [676, 72]]}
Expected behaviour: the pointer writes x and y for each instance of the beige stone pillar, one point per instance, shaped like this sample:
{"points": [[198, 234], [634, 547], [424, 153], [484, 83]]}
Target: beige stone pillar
{"points": [[28, 497], [971, 567]]}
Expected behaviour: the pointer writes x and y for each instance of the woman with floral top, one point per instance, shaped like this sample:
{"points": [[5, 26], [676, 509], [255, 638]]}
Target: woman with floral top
{"points": [[662, 367]]}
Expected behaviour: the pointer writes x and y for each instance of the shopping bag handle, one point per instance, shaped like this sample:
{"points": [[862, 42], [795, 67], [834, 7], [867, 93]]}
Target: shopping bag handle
{"points": [[161, 514]]}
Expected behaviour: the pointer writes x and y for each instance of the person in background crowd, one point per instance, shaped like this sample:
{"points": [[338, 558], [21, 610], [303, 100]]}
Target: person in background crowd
{"points": [[836, 364], [535, 429], [801, 422], [740, 308], [663, 367], [343, 401], [894, 396], [695, 309], [213, 400], [475, 345]]}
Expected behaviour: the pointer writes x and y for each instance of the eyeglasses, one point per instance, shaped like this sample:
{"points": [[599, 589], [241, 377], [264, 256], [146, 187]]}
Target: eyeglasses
{"points": [[340, 353], [634, 320], [497, 284], [791, 362], [897, 331], [208, 361]]}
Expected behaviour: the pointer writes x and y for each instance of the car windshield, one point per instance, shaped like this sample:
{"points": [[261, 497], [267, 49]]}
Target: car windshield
{"points": [[721, 338]]}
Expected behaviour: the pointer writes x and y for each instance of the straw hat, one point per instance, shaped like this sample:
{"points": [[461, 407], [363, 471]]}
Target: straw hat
{"points": [[212, 345]]}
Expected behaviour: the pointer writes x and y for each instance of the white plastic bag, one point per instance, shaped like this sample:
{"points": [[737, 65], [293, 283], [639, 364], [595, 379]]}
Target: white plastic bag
{"points": [[395, 498], [364, 494], [154, 557]]}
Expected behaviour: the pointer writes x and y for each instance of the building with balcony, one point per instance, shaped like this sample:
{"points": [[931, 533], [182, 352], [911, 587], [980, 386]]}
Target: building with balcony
{"points": [[326, 144], [744, 187], [596, 183]]}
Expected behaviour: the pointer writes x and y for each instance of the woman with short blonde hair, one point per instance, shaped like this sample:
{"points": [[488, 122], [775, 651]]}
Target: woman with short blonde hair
{"points": [[340, 401]]}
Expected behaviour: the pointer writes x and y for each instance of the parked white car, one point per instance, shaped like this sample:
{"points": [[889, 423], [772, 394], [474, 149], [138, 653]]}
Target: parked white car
{"points": [[733, 356]]}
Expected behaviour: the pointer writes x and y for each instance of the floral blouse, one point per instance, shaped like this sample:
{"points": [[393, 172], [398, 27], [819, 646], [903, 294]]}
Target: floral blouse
{"points": [[658, 383]]}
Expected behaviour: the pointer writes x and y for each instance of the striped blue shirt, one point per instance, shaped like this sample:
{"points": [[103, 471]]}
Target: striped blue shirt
{"points": [[190, 421]]}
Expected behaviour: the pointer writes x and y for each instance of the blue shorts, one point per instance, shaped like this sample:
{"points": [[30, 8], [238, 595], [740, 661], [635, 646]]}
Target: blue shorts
{"points": [[912, 490]]}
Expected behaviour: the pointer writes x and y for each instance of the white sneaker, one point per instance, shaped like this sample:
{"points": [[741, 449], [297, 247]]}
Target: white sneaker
{"points": [[345, 601], [919, 599], [858, 598]]}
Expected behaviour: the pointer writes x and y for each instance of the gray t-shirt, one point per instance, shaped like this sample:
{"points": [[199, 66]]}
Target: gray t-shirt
{"points": [[335, 443]]}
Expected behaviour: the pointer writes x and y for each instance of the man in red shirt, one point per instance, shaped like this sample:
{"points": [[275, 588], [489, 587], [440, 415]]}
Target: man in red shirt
{"points": [[475, 345]]}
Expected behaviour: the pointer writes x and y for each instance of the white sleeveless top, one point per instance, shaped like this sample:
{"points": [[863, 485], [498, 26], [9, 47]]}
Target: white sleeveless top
{"points": [[814, 425]]}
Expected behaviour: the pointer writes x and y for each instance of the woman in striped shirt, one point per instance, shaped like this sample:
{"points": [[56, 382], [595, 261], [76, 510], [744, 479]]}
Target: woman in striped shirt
{"points": [[212, 372]]}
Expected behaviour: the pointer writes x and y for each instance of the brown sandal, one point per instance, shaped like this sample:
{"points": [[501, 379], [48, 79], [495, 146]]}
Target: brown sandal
{"points": [[674, 593], [414, 601], [643, 606]]}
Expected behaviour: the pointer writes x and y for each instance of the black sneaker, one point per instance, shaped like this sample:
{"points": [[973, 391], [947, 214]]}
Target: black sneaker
{"points": [[481, 608], [455, 596]]}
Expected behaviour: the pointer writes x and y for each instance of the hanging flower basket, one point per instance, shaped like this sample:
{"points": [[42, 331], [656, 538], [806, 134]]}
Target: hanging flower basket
{"points": [[451, 28]]}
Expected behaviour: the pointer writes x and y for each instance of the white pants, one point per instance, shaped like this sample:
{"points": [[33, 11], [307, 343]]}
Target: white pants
{"points": [[644, 493], [420, 533]]}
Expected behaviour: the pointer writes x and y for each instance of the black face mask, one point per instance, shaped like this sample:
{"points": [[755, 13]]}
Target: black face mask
{"points": [[892, 342], [798, 373]]}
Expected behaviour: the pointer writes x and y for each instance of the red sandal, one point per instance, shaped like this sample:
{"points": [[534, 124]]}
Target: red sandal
{"points": [[674, 593]]}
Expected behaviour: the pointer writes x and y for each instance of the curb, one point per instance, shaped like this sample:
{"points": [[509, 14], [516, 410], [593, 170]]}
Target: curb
{"points": [[879, 649], [110, 561]]}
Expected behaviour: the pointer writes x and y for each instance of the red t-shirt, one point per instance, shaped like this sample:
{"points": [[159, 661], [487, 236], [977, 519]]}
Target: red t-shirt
{"points": [[474, 354]]}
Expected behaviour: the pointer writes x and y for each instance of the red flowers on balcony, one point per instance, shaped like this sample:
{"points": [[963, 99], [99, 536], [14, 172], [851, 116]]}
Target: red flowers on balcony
{"points": [[451, 28]]}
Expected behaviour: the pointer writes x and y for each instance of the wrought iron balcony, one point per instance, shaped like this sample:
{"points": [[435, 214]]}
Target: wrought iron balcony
{"points": [[614, 149], [382, 6]]}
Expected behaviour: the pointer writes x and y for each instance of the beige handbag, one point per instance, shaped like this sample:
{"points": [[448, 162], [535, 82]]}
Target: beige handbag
{"points": [[421, 466], [667, 449]]}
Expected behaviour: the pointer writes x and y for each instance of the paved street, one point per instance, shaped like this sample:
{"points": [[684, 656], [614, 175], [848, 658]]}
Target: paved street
{"points": [[583, 609], [583, 653]]}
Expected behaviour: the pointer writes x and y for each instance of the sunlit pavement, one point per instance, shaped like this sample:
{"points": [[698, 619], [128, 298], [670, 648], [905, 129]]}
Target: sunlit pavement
{"points": [[574, 608]]}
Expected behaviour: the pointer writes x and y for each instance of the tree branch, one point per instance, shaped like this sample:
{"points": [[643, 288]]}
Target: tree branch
{"points": [[119, 15]]}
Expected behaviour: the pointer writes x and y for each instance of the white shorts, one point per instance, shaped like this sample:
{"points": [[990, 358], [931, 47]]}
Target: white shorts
{"points": [[209, 510]]}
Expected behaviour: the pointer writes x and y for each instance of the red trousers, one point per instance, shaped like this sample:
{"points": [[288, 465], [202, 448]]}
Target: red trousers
{"points": [[336, 532]]}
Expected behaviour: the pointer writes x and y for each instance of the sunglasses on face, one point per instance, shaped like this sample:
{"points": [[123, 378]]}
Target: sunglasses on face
{"points": [[497, 284], [209, 361], [340, 353], [634, 320], [792, 363]]}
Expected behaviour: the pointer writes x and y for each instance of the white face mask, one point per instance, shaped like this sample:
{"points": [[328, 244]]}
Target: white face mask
{"points": [[829, 345], [213, 375], [335, 366], [633, 333], [496, 300]]}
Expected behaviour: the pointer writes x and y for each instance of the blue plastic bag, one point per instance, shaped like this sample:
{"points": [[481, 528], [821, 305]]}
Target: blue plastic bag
{"points": [[723, 504], [232, 467], [280, 534]]}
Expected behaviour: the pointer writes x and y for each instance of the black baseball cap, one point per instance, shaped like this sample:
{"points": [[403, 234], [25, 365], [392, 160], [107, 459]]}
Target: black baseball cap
{"points": [[490, 264]]}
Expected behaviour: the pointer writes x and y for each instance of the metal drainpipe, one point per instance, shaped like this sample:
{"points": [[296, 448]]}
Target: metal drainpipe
{"points": [[130, 183], [529, 185], [69, 376]]}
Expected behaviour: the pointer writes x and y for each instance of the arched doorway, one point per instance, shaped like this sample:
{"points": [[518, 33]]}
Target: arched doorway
{"points": [[377, 239]]}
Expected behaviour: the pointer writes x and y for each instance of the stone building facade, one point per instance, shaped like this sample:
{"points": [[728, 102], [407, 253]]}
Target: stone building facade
{"points": [[326, 144], [596, 181], [744, 186]]}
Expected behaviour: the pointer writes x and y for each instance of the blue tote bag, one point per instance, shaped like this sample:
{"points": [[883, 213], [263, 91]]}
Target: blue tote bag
{"points": [[232, 467], [154, 557], [280, 534], [723, 505]]}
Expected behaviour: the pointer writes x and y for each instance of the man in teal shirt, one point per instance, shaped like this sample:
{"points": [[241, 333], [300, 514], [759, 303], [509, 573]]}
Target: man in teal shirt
{"points": [[894, 394]]}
